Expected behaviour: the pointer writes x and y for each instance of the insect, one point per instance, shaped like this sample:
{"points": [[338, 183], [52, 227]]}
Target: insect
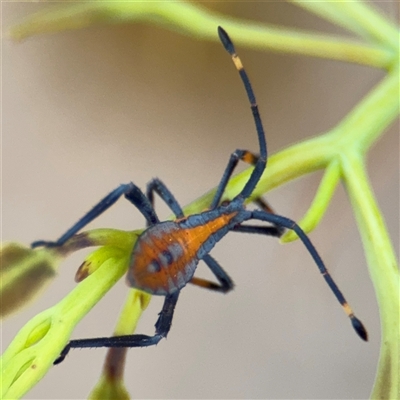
{"points": [[166, 254]]}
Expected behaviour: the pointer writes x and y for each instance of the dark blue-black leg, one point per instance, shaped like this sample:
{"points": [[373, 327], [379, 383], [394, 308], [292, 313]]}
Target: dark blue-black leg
{"points": [[289, 224], [157, 186], [249, 158], [259, 230], [131, 192], [163, 326], [275, 231], [239, 154], [225, 282]]}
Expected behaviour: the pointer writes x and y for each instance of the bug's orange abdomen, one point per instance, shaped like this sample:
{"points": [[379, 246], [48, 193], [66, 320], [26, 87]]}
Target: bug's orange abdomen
{"points": [[166, 255]]}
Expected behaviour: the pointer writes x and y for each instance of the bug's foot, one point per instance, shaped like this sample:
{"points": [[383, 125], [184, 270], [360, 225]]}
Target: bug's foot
{"points": [[43, 243], [63, 354]]}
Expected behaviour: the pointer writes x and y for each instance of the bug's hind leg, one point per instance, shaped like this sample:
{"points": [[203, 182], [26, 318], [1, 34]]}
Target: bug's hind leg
{"points": [[131, 192], [225, 282], [289, 224], [259, 230], [159, 187], [163, 326], [275, 230]]}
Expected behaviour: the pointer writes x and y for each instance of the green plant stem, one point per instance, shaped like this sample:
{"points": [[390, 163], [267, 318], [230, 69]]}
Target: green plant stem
{"points": [[383, 270], [111, 385], [194, 20], [28, 358], [320, 203], [356, 16], [363, 126]]}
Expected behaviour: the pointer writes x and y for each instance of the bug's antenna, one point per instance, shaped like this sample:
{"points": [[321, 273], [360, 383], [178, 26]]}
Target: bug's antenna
{"points": [[262, 161]]}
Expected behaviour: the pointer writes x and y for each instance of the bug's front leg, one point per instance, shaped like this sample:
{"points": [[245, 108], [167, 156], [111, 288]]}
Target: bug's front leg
{"points": [[131, 192]]}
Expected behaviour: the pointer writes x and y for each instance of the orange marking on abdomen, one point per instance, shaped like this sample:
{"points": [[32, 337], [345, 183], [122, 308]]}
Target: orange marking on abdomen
{"points": [[196, 236]]}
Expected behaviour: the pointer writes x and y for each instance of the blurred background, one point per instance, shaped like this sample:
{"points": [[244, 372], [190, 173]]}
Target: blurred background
{"points": [[84, 111]]}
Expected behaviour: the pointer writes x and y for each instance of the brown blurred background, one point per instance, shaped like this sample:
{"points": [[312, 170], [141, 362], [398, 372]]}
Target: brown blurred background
{"points": [[84, 111]]}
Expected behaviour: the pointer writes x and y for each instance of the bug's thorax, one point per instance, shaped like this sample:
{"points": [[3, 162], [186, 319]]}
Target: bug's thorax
{"points": [[166, 255]]}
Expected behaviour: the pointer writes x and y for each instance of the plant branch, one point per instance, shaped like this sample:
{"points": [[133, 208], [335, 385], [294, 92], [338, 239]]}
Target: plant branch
{"points": [[383, 270], [194, 20], [358, 17]]}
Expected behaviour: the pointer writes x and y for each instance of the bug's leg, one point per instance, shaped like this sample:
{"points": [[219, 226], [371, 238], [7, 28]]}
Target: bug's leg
{"points": [[289, 224], [159, 187], [264, 205], [260, 230], [250, 158], [131, 192], [225, 282], [237, 155], [163, 325], [275, 230]]}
